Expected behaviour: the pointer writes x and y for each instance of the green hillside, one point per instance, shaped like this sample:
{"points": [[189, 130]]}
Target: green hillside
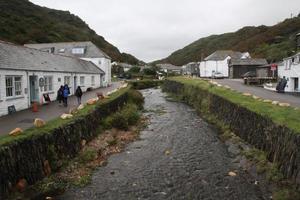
{"points": [[273, 42], [24, 22]]}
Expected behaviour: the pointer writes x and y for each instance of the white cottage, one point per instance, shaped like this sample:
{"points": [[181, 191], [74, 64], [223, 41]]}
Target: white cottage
{"points": [[290, 69], [218, 62], [27, 75], [83, 50]]}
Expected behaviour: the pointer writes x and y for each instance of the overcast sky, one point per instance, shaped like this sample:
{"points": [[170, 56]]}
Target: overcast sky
{"points": [[152, 29]]}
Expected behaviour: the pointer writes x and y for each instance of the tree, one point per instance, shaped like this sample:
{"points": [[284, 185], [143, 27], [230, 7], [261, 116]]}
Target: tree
{"points": [[149, 71], [134, 70]]}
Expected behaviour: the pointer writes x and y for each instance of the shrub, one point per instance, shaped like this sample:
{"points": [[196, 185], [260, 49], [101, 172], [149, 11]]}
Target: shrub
{"points": [[130, 112], [136, 98]]}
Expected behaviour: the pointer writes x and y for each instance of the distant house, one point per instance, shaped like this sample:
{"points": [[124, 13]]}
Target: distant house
{"points": [[191, 69], [169, 68], [218, 62], [83, 50], [238, 67], [126, 67], [269, 70], [29, 75], [290, 69]]}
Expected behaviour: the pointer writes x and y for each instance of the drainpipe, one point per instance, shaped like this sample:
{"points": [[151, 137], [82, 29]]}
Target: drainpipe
{"points": [[28, 89]]}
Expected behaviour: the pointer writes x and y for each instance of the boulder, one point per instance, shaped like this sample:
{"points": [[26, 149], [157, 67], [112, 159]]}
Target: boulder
{"points": [[255, 97], [284, 104], [247, 94], [73, 111], [91, 101], [232, 174], [227, 87], [16, 132], [80, 107], [267, 101], [275, 102], [66, 116], [39, 123]]}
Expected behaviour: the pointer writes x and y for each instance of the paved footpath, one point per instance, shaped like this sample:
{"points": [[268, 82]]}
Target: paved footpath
{"points": [[24, 119], [178, 156], [237, 84]]}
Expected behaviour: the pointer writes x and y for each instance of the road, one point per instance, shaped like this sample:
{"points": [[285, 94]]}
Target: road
{"points": [[24, 119], [179, 156], [237, 84]]}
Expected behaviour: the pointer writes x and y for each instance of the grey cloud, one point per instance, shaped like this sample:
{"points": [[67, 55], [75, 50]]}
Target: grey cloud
{"points": [[152, 29]]}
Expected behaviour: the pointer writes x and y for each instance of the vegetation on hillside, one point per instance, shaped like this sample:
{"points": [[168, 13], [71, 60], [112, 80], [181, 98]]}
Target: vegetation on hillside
{"points": [[24, 22], [273, 42]]}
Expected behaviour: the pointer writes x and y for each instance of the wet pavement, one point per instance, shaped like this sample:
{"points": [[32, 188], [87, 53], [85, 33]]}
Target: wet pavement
{"points": [[238, 85], [179, 156]]}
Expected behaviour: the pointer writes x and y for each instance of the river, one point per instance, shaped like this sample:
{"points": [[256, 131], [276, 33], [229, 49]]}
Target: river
{"points": [[178, 156]]}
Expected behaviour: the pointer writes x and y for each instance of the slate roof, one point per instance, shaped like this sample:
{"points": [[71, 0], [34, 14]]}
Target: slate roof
{"points": [[223, 54], [14, 57], [248, 61], [91, 50]]}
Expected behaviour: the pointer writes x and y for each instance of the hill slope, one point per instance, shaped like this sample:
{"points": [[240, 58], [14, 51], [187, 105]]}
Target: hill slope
{"points": [[24, 22], [274, 43]]}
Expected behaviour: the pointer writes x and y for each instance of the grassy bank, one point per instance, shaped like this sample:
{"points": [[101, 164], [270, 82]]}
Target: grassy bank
{"points": [[285, 116]]}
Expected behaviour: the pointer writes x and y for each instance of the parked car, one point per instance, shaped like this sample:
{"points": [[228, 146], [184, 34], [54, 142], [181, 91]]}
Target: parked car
{"points": [[249, 74], [217, 75]]}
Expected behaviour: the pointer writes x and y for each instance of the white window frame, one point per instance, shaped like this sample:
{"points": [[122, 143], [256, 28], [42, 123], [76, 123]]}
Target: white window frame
{"points": [[67, 80], [48, 86], [78, 50], [14, 86], [93, 80], [81, 80]]}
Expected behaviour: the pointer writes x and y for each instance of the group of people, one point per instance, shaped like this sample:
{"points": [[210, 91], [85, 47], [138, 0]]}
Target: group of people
{"points": [[64, 92]]}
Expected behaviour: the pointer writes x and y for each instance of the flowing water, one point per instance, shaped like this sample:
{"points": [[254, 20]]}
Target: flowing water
{"points": [[179, 156]]}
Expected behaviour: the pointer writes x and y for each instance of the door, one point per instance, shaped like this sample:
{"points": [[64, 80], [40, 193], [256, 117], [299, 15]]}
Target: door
{"points": [[296, 84], [34, 89]]}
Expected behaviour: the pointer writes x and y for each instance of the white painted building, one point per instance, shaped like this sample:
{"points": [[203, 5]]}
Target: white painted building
{"points": [[83, 50], [26, 75], [218, 62], [290, 69]]}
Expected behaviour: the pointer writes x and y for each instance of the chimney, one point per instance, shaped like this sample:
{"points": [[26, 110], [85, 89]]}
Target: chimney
{"points": [[298, 41]]}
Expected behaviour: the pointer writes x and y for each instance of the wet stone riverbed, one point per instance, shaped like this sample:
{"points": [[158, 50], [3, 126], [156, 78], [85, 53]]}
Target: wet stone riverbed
{"points": [[178, 156]]}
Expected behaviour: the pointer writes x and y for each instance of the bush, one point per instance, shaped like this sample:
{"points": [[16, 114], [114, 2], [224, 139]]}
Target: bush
{"points": [[119, 121], [131, 114], [135, 97]]}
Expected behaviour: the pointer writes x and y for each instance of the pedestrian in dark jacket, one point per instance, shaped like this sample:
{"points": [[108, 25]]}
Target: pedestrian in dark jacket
{"points": [[60, 96], [66, 93], [78, 94]]}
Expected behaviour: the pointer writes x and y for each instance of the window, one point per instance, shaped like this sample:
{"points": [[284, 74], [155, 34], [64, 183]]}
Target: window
{"points": [[48, 84], [61, 51], [82, 80], [93, 80], [78, 50], [13, 86], [67, 80]]}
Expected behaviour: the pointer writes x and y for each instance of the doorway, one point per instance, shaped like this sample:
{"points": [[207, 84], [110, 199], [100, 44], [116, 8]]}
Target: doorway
{"points": [[296, 84], [75, 83], [34, 89]]}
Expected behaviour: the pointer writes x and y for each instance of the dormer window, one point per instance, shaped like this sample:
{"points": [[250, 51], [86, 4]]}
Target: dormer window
{"points": [[61, 51], [78, 50]]}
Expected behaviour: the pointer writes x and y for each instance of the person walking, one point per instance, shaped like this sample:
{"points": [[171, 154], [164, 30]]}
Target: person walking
{"points": [[60, 96], [78, 94], [66, 93]]}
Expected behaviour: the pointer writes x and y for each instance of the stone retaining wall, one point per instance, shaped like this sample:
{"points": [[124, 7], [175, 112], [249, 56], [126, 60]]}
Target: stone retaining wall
{"points": [[281, 144], [28, 158]]}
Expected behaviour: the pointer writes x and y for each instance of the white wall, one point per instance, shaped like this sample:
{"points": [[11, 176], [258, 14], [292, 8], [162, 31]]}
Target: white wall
{"points": [[105, 65], [207, 67], [23, 102], [290, 71]]}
